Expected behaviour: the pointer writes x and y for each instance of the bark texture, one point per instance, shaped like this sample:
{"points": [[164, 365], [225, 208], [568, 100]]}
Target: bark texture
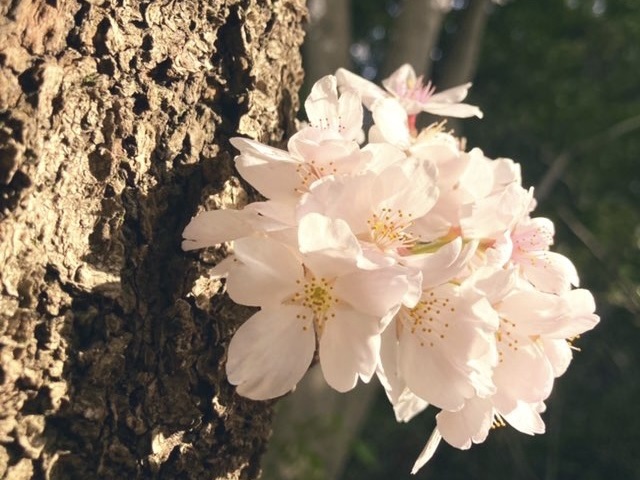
{"points": [[114, 125]]}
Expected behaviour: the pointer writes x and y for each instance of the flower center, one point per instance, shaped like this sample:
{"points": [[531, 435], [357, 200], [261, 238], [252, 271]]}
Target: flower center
{"points": [[311, 171], [432, 131], [387, 229], [429, 319], [417, 90], [316, 294], [506, 337]]}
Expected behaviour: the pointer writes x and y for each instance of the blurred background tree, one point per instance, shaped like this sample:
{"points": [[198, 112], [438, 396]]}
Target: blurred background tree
{"points": [[559, 82]]}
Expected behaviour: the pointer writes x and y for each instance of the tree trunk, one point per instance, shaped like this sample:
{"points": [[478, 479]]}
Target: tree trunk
{"points": [[462, 59], [114, 125], [414, 34], [326, 46]]}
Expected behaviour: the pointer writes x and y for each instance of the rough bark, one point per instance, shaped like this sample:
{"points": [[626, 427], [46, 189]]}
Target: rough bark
{"points": [[114, 125]]}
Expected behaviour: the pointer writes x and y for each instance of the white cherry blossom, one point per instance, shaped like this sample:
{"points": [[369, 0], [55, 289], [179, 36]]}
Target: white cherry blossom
{"points": [[413, 94]]}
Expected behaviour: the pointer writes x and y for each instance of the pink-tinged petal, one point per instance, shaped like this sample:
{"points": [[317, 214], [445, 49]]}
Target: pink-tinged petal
{"points": [[471, 424], [266, 272], [399, 82], [533, 234], [391, 119], [427, 452], [549, 271], [216, 226], [271, 171], [349, 348], [376, 292], [525, 419], [270, 352], [369, 92]]}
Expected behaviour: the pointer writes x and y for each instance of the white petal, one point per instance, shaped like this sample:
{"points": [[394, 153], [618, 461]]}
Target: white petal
{"points": [[266, 273], [549, 271], [525, 419], [271, 171], [376, 292], [559, 354], [350, 115], [428, 451], [326, 111], [469, 425], [431, 376], [391, 120], [381, 156], [318, 233], [349, 348], [214, 227], [409, 187], [406, 404], [369, 92], [270, 353], [446, 263], [524, 375], [451, 95], [457, 110]]}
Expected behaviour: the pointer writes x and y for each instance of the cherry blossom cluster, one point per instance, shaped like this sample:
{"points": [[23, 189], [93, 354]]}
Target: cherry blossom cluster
{"points": [[405, 257]]}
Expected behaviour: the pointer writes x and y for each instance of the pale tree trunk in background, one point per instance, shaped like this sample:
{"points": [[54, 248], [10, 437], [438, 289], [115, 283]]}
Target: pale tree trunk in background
{"points": [[326, 46], [461, 60], [114, 127], [314, 429], [414, 34]]}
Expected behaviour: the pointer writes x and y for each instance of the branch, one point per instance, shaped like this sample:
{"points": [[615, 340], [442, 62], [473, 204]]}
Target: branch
{"points": [[561, 162]]}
